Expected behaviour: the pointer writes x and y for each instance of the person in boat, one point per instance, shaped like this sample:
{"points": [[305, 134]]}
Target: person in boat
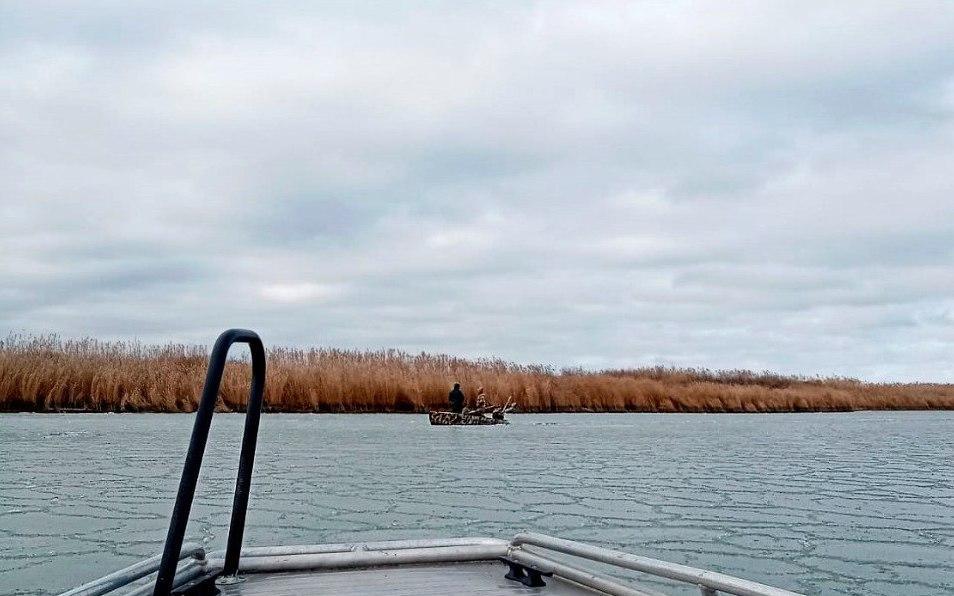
{"points": [[481, 399], [456, 399]]}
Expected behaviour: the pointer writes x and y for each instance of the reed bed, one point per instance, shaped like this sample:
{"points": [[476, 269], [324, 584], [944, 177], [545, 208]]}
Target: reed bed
{"points": [[46, 374]]}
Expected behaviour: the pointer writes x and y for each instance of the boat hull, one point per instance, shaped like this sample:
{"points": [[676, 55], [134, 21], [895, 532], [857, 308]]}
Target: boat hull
{"points": [[454, 419]]}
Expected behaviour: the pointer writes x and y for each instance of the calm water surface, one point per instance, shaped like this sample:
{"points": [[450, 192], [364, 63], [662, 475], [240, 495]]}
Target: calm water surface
{"points": [[820, 503]]}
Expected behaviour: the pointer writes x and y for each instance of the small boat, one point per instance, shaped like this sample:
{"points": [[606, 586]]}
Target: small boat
{"points": [[481, 415], [442, 418], [411, 567]]}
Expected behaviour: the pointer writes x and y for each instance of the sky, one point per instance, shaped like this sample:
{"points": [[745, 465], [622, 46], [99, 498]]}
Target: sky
{"points": [[763, 185]]}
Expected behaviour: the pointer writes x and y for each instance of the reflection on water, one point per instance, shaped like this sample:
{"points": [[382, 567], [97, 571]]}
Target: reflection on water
{"points": [[818, 503]]}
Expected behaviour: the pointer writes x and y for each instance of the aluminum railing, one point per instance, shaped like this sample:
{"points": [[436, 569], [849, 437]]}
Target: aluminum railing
{"points": [[536, 550], [709, 582], [126, 576]]}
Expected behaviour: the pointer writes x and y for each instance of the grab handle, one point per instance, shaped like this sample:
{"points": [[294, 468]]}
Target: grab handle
{"points": [[200, 434]]}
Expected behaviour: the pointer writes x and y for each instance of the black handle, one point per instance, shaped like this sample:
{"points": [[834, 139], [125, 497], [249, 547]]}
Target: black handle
{"points": [[200, 435]]}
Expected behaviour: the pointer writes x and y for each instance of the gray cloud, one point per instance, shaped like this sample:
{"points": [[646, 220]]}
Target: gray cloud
{"points": [[763, 185]]}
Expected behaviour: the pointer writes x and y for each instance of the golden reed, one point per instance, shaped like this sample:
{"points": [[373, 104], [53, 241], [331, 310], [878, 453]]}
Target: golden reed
{"points": [[48, 374]]}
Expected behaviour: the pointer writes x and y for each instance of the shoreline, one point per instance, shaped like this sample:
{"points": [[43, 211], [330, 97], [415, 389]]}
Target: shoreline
{"points": [[574, 412]]}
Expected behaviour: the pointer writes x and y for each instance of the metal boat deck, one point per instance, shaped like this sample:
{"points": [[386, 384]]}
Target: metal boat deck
{"points": [[480, 579], [422, 568]]}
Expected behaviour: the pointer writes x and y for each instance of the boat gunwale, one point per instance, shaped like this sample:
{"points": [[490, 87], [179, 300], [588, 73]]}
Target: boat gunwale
{"points": [[193, 553], [396, 553], [339, 547]]}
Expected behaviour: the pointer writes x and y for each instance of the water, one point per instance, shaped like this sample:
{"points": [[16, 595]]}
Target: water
{"points": [[819, 503]]}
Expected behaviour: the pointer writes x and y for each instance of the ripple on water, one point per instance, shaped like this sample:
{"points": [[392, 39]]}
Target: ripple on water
{"points": [[819, 503]]}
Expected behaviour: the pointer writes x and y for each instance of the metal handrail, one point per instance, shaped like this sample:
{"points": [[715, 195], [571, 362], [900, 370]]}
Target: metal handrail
{"points": [[193, 462], [127, 575], [342, 547], [708, 581], [184, 575], [601, 584], [341, 556]]}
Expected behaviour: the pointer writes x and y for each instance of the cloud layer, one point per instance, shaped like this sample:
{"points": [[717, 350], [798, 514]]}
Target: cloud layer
{"points": [[763, 185]]}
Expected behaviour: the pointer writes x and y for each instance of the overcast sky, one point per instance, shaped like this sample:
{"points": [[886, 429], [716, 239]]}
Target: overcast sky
{"points": [[731, 184]]}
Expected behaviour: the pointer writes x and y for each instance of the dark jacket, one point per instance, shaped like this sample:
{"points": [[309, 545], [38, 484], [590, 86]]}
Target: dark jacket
{"points": [[456, 399]]}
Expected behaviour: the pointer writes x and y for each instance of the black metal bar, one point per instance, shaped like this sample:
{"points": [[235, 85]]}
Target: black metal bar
{"points": [[200, 435], [528, 575]]}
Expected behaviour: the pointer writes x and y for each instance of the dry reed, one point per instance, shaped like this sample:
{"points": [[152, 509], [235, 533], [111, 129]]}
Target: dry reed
{"points": [[46, 373]]}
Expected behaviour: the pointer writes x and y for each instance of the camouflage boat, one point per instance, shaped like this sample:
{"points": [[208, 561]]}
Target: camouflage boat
{"points": [[484, 413], [439, 418]]}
